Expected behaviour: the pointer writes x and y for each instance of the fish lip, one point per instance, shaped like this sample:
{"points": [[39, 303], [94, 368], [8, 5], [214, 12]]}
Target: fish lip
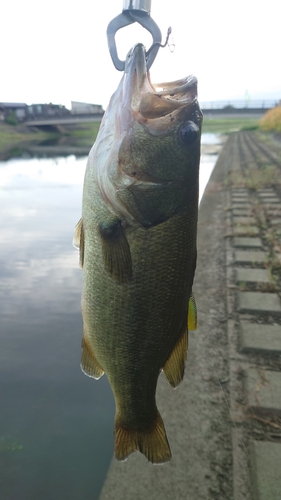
{"points": [[137, 81], [136, 59], [136, 75]]}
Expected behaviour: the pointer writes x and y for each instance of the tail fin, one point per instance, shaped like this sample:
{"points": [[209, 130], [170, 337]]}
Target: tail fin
{"points": [[153, 443]]}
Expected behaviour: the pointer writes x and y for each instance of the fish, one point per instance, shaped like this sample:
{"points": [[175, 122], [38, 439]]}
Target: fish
{"points": [[137, 247]]}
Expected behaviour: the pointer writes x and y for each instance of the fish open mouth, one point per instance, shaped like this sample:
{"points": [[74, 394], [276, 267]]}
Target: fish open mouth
{"points": [[168, 97], [154, 100]]}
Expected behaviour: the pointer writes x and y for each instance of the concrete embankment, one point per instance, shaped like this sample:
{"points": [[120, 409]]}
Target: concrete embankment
{"points": [[223, 422]]}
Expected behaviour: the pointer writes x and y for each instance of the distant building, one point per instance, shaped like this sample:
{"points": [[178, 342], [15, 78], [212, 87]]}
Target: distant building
{"points": [[36, 111], [17, 108], [20, 111], [84, 108]]}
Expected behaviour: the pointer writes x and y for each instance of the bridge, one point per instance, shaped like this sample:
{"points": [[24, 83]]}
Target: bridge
{"points": [[58, 121]]}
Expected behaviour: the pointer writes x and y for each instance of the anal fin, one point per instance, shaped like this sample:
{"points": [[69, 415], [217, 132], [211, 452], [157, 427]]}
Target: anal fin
{"points": [[116, 251], [175, 365], [89, 364], [192, 313]]}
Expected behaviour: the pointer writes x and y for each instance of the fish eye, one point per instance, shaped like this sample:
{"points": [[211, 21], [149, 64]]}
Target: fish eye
{"points": [[189, 132]]}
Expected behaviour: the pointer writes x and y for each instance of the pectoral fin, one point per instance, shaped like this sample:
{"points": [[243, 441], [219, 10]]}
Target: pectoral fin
{"points": [[174, 366], [78, 240], [192, 313], [116, 251], [89, 364]]}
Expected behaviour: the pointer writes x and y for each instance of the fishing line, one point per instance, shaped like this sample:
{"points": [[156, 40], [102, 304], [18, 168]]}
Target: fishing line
{"points": [[158, 44]]}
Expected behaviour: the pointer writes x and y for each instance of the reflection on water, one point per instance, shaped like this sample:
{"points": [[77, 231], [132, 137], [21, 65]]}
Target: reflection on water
{"points": [[207, 164], [207, 161], [56, 425], [62, 420]]}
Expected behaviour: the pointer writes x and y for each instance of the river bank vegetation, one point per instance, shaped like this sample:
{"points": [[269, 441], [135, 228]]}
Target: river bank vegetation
{"points": [[14, 138], [271, 121]]}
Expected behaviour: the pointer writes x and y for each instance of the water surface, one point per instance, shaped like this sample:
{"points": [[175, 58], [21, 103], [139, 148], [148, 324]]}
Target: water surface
{"points": [[56, 425], [59, 421]]}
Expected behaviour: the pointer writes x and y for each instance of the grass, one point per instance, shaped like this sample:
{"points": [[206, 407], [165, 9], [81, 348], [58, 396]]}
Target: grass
{"points": [[10, 136], [271, 121], [228, 125], [82, 134], [268, 176]]}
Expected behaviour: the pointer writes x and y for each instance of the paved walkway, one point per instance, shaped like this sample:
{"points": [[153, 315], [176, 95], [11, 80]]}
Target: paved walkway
{"points": [[224, 421], [253, 258]]}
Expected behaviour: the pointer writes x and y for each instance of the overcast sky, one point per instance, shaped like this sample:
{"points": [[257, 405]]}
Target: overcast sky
{"points": [[56, 51]]}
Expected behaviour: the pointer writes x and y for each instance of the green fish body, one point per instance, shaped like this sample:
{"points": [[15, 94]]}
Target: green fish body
{"points": [[137, 240]]}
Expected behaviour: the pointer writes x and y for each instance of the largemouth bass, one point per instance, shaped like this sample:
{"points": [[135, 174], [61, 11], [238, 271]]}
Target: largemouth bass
{"points": [[137, 240]]}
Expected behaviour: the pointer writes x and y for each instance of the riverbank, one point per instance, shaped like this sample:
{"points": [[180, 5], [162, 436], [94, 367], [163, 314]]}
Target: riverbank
{"points": [[14, 139], [11, 135]]}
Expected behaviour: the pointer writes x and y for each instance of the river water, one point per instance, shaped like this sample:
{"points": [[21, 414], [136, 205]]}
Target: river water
{"points": [[56, 425]]}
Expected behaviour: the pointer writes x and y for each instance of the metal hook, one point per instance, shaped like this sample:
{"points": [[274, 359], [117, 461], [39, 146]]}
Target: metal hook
{"points": [[134, 11], [160, 44]]}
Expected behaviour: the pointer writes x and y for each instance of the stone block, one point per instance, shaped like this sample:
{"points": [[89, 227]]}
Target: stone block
{"points": [[267, 196], [245, 206], [266, 192], [240, 199], [259, 303], [250, 257], [244, 221], [257, 337], [263, 390], [278, 257], [247, 242], [275, 222], [241, 212], [270, 201], [246, 231], [275, 212], [252, 276], [265, 469]]}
